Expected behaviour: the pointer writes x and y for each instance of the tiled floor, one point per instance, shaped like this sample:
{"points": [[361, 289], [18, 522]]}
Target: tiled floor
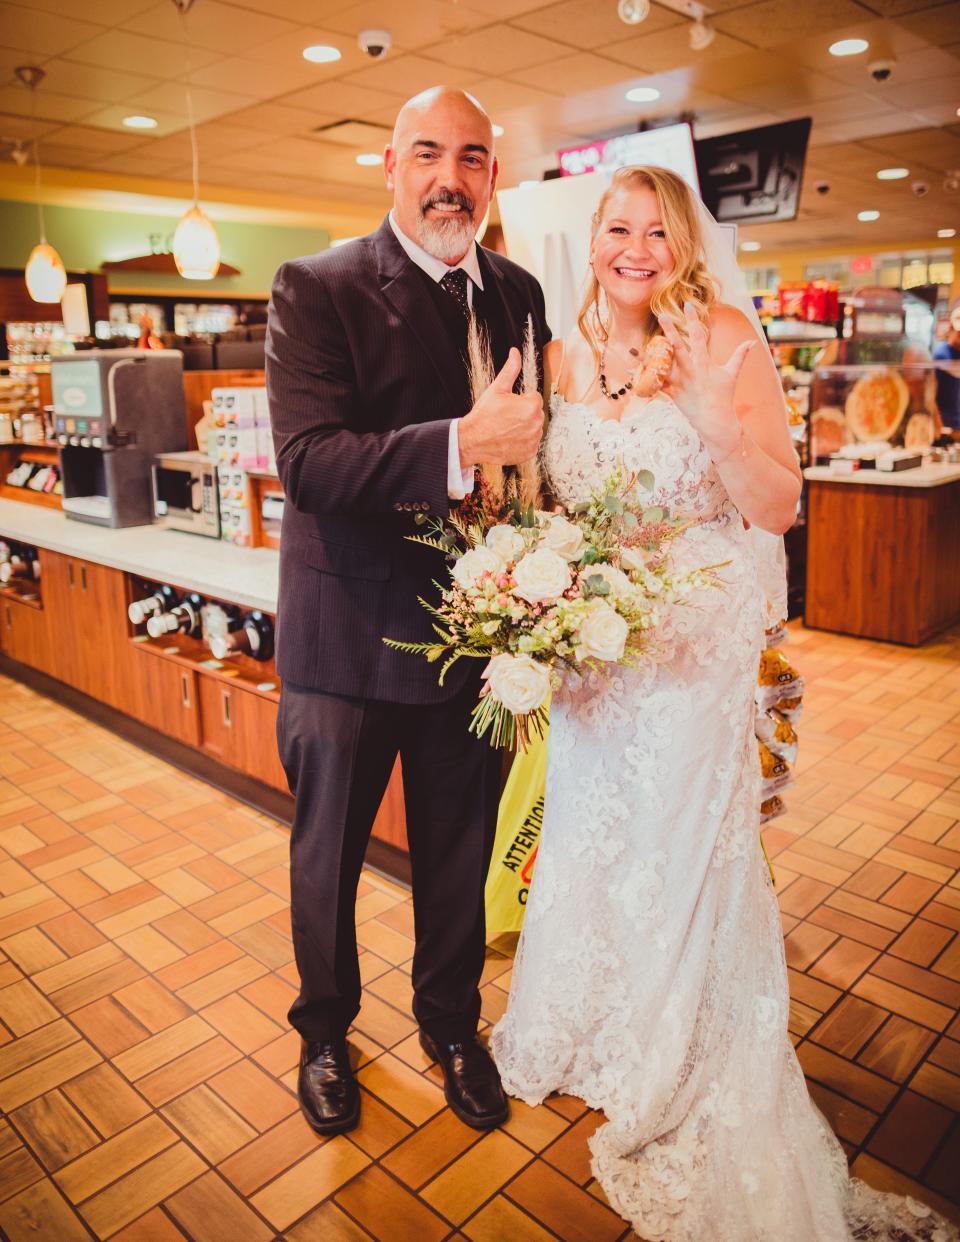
{"points": [[146, 1073]]}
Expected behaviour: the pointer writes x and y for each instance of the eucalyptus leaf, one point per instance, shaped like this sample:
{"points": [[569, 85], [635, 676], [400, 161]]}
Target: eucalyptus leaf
{"points": [[612, 503], [645, 480], [653, 514], [598, 585], [630, 519]]}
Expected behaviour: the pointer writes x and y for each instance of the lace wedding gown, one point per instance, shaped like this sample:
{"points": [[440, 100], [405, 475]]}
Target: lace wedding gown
{"points": [[650, 978]]}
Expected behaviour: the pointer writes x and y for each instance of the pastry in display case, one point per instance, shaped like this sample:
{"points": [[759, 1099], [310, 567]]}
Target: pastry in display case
{"points": [[874, 406]]}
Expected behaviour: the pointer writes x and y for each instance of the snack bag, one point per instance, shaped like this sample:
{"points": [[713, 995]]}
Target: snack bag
{"points": [[777, 734], [775, 773], [777, 680], [770, 808]]}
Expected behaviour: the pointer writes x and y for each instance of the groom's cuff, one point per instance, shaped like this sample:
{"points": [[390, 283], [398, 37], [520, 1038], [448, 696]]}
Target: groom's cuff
{"points": [[459, 482]]}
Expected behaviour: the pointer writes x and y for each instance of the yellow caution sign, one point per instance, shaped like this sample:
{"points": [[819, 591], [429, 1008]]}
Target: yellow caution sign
{"points": [[518, 838]]}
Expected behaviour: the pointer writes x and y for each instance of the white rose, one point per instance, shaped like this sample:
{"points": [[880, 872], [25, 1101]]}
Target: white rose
{"points": [[603, 635], [518, 682], [473, 564], [506, 541], [618, 582], [541, 575], [564, 538], [632, 559]]}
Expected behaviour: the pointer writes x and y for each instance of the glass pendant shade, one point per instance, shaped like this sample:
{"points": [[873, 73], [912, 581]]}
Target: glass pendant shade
{"points": [[45, 274], [196, 247]]}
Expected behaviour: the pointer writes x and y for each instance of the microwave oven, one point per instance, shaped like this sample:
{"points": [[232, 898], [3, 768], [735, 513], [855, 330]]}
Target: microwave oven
{"points": [[186, 495]]}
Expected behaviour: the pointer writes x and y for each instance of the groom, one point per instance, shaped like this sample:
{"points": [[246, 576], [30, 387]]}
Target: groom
{"points": [[374, 424]]}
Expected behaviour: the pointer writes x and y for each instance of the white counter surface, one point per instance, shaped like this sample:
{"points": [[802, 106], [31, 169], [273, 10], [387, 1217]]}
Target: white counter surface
{"points": [[245, 576], [934, 474]]}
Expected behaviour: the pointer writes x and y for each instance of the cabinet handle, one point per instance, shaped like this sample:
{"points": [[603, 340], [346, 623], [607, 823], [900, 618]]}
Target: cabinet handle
{"points": [[185, 690], [225, 702], [70, 573], [9, 616], [83, 576]]}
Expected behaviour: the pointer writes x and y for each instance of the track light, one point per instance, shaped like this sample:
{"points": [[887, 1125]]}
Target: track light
{"points": [[45, 275], [633, 12], [701, 35]]}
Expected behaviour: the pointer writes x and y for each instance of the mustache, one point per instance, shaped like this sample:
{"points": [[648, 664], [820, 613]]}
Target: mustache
{"points": [[449, 197]]}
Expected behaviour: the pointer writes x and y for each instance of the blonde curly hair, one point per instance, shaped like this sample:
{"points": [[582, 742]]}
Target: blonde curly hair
{"points": [[688, 281]]}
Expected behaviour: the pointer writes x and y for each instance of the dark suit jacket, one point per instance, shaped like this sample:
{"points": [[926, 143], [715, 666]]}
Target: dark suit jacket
{"points": [[363, 380]]}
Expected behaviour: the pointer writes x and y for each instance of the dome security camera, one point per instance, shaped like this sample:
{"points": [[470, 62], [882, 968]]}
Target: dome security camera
{"points": [[920, 188], [822, 187], [881, 70], [375, 43]]}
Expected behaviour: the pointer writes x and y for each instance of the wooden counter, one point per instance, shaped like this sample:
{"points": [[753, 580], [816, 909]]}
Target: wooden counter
{"points": [[75, 629], [883, 552]]}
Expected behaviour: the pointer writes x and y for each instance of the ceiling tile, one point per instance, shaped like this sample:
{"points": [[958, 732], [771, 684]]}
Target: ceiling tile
{"points": [[42, 34], [300, 11], [97, 82], [255, 77], [937, 25], [271, 118], [581, 71], [102, 12], [112, 117], [134, 164], [50, 107], [358, 135], [102, 141], [222, 28], [411, 25], [929, 91], [587, 24], [409, 74], [500, 49], [341, 99], [22, 127], [776, 22], [287, 49], [894, 8], [139, 54], [670, 49], [506, 10], [207, 104]]}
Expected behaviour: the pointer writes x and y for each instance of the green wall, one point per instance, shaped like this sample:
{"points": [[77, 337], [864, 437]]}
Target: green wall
{"points": [[87, 238]]}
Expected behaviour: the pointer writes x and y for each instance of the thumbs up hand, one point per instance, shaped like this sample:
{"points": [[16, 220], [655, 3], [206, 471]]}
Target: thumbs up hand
{"points": [[503, 428]]}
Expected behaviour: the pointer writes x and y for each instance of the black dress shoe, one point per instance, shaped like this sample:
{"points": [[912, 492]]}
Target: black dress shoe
{"points": [[471, 1083], [328, 1092]]}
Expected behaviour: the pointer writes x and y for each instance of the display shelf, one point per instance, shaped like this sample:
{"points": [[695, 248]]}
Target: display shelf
{"points": [[43, 454], [192, 654], [11, 592]]}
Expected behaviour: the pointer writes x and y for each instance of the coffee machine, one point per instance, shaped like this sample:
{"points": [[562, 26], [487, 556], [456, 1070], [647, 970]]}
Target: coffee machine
{"points": [[114, 410]]}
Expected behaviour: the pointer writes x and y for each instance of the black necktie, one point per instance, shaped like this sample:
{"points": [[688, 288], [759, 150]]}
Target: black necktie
{"points": [[455, 283]]}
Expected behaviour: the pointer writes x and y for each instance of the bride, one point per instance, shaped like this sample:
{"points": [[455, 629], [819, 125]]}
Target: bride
{"points": [[650, 978]]}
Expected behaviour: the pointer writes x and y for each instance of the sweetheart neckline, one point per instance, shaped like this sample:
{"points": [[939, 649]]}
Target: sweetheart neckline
{"points": [[628, 416]]}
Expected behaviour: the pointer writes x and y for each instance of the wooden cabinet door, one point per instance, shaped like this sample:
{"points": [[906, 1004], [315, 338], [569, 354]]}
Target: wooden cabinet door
{"points": [[101, 650], [58, 576], [169, 697], [25, 635], [238, 727]]}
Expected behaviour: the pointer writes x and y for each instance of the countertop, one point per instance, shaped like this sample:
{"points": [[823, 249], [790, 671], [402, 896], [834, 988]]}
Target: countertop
{"points": [[245, 576], [933, 474]]}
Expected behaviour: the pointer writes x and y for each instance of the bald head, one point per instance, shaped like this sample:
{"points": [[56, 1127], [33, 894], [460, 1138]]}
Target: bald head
{"points": [[420, 110], [442, 170]]}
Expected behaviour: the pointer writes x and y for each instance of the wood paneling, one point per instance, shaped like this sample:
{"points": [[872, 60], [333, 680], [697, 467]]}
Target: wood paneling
{"points": [[883, 562], [169, 697], [238, 727], [17, 306], [24, 633]]}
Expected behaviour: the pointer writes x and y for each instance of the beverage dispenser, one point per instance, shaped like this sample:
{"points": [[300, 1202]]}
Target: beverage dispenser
{"points": [[114, 410]]}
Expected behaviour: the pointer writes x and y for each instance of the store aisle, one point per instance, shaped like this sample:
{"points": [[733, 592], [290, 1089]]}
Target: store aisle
{"points": [[147, 1076]]}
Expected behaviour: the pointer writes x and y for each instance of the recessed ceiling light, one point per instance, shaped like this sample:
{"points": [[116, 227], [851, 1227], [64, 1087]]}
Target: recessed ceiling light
{"points": [[498, 131], [368, 159], [643, 94], [321, 53], [848, 47], [749, 245], [633, 12], [946, 232], [893, 174], [868, 215], [140, 122]]}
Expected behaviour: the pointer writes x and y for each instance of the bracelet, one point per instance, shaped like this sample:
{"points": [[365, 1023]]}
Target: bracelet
{"points": [[740, 445]]}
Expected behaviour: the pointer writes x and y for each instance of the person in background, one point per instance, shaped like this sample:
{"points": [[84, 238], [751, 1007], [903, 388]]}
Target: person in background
{"points": [[948, 381]]}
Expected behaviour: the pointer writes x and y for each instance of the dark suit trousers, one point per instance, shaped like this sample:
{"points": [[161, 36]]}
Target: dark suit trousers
{"points": [[338, 754]]}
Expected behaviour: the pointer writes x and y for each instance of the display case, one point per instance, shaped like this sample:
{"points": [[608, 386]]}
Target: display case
{"points": [[877, 404]]}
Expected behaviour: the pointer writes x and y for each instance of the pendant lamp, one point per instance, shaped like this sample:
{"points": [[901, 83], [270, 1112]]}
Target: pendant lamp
{"points": [[45, 274], [196, 246]]}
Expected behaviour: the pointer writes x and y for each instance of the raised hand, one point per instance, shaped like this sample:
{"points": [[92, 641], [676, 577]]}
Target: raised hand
{"points": [[503, 428], [703, 388]]}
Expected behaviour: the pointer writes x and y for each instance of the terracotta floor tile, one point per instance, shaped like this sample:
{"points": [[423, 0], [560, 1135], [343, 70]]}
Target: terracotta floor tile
{"points": [[141, 1189], [386, 1209], [209, 1211], [479, 1173], [570, 1153], [902, 1001], [254, 1095], [909, 1134], [921, 943], [501, 1219], [410, 1094], [243, 1024], [300, 1188], [54, 1129], [327, 1224], [570, 1212], [152, 1004], [380, 1128], [40, 1211], [106, 1100], [927, 983], [208, 1123], [430, 1149], [186, 1071], [108, 1026], [849, 925], [896, 1048], [271, 1154], [73, 933]]}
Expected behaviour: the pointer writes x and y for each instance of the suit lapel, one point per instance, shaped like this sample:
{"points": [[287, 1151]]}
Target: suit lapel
{"points": [[402, 285], [500, 305]]}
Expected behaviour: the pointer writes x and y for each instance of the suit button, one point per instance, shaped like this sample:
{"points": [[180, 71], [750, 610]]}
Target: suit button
{"points": [[407, 507], [415, 507], [425, 507], [397, 505]]}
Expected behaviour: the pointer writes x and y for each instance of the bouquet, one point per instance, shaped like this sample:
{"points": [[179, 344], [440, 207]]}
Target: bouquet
{"points": [[537, 594]]}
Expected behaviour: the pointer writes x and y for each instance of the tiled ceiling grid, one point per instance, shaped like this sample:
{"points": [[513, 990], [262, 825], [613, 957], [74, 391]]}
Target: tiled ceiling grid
{"points": [[550, 73]]}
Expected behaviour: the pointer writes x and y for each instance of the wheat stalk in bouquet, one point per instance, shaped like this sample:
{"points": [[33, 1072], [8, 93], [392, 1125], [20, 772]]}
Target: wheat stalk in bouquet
{"points": [[481, 372]]}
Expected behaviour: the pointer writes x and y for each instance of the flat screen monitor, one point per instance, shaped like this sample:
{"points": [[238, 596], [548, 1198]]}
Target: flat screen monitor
{"points": [[73, 304], [670, 146], [754, 176]]}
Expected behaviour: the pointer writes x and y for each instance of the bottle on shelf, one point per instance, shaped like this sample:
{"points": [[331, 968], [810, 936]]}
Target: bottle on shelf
{"points": [[218, 622], [184, 618], [163, 599], [23, 565], [254, 638]]}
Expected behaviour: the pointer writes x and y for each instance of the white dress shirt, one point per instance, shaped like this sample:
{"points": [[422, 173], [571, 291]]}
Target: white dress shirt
{"points": [[459, 482]]}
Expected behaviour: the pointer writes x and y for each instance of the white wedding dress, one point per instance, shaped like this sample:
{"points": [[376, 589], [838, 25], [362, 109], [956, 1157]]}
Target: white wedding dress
{"points": [[650, 978]]}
